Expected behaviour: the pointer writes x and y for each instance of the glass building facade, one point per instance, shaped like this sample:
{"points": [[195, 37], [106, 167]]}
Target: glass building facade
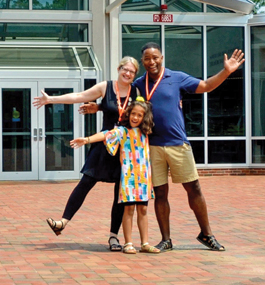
{"points": [[83, 46]]}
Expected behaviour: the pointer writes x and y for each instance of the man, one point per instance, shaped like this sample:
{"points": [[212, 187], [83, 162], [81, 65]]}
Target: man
{"points": [[169, 145]]}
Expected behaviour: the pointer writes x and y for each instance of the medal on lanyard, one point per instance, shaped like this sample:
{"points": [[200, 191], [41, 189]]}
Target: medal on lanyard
{"points": [[149, 95], [121, 109]]}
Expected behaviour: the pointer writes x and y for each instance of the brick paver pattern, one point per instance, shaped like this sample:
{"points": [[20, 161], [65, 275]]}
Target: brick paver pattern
{"points": [[31, 254]]}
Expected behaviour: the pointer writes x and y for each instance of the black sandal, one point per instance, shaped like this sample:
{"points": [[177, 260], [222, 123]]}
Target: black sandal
{"points": [[56, 229], [210, 242], [114, 247]]}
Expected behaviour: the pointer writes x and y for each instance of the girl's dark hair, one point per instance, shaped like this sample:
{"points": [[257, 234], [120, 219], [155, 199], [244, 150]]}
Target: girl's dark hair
{"points": [[151, 45], [147, 123]]}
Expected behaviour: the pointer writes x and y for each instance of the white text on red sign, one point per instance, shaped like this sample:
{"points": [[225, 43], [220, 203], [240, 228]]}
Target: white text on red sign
{"points": [[164, 18]]}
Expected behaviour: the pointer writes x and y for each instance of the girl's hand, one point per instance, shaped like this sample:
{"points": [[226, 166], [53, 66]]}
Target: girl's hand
{"points": [[90, 108], [40, 101], [76, 143]]}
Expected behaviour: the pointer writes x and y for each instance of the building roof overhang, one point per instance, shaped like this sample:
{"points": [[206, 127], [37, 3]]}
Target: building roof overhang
{"points": [[241, 6]]}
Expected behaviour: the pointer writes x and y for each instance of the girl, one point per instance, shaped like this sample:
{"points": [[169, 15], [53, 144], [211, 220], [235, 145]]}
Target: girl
{"points": [[135, 183]]}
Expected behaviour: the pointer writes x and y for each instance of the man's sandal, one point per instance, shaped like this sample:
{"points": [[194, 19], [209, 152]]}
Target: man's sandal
{"points": [[149, 249], [128, 248], [53, 225], [114, 246], [210, 242]]}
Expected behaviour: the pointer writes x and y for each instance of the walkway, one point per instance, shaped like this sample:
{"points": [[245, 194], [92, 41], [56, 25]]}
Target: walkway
{"points": [[30, 254]]}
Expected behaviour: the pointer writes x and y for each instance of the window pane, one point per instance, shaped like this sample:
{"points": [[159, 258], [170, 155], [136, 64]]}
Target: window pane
{"points": [[258, 151], [183, 52], [193, 114], [59, 131], [85, 57], [258, 80], [183, 46], [38, 57], [198, 151], [226, 104], [184, 6], [134, 37], [226, 152], [61, 4], [14, 4], [90, 119], [44, 32], [141, 5], [215, 9], [16, 129]]}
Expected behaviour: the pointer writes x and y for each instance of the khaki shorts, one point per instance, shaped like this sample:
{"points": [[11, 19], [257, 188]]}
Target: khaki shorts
{"points": [[179, 159]]}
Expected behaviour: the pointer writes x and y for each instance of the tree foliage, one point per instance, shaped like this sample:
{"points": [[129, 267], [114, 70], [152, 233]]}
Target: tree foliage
{"points": [[258, 5]]}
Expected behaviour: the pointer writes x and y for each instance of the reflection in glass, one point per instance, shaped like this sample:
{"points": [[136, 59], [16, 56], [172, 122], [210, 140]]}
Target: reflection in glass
{"points": [[61, 4], [226, 104], [183, 6], [14, 4], [59, 132], [198, 151], [43, 32], [134, 37], [258, 80], [38, 57], [16, 129], [258, 151], [90, 119], [141, 5], [215, 9], [85, 57], [227, 152], [193, 114], [183, 49]]}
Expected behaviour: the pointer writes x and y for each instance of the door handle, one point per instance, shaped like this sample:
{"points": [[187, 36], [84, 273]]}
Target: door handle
{"points": [[35, 136], [41, 134]]}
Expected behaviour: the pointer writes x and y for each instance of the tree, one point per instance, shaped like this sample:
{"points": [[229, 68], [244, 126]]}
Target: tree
{"points": [[258, 5]]}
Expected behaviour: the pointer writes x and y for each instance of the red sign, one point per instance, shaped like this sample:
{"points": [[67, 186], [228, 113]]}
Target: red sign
{"points": [[165, 18]]}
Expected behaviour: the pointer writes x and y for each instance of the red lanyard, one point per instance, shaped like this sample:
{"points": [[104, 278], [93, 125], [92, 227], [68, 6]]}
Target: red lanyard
{"points": [[149, 95], [122, 108]]}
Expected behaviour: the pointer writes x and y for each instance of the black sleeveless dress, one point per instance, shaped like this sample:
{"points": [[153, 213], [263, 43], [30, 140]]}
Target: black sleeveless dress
{"points": [[99, 163]]}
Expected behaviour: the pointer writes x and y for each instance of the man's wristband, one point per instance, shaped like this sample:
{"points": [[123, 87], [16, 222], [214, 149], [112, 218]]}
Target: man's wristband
{"points": [[88, 140]]}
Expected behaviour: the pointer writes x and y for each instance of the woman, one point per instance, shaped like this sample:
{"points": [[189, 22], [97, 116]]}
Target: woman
{"points": [[99, 165]]}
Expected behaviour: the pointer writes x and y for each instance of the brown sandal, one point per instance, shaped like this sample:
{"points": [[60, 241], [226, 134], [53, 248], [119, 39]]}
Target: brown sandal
{"points": [[56, 229]]}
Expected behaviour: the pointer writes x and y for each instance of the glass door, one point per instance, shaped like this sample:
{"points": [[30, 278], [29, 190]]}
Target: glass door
{"points": [[18, 120], [58, 124], [34, 143]]}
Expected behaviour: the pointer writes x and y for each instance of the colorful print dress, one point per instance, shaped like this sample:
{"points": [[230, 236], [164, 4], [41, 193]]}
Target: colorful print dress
{"points": [[135, 182]]}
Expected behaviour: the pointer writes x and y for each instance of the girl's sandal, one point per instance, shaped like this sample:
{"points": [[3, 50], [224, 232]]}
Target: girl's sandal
{"points": [[128, 248], [53, 225], [149, 249], [114, 246]]}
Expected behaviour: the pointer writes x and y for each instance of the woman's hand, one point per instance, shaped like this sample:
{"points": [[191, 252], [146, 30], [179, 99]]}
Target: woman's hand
{"points": [[76, 143], [89, 108], [40, 101]]}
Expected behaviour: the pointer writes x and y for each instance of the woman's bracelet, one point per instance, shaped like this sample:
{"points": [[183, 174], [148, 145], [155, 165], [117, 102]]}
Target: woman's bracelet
{"points": [[88, 140]]}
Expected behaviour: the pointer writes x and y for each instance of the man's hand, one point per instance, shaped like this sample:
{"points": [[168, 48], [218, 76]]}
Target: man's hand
{"points": [[234, 61], [90, 108], [40, 101]]}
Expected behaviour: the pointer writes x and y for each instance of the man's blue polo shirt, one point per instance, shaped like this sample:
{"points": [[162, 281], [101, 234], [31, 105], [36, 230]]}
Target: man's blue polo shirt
{"points": [[169, 129]]}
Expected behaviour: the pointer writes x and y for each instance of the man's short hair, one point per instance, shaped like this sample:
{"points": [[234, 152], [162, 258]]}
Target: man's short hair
{"points": [[151, 45]]}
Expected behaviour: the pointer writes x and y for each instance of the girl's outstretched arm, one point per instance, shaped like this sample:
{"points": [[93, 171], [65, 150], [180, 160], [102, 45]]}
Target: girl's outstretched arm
{"points": [[76, 143]]}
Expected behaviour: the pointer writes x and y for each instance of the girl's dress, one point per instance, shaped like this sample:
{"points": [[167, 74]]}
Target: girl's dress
{"points": [[135, 181], [99, 164]]}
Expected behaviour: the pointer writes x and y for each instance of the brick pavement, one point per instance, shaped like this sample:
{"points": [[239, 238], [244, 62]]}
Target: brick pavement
{"points": [[30, 254]]}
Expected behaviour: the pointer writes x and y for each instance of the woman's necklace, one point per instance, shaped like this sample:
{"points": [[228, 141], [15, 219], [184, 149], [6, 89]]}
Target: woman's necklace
{"points": [[149, 95], [121, 109]]}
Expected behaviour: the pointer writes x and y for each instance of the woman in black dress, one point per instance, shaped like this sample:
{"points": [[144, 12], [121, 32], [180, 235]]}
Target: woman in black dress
{"points": [[99, 165]]}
